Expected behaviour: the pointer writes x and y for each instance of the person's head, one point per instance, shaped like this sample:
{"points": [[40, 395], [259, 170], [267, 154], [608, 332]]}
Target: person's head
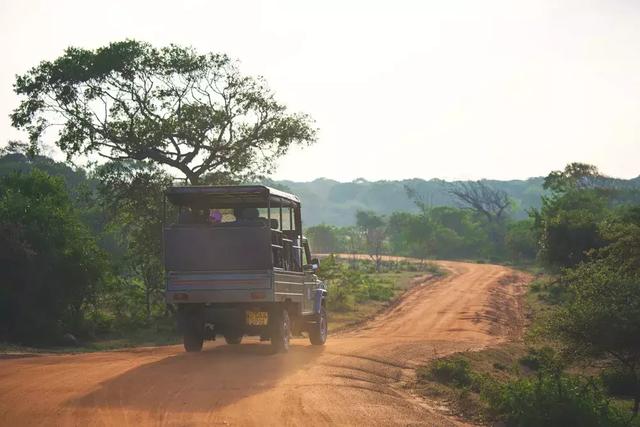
{"points": [[246, 213], [237, 212], [202, 215], [250, 213]]}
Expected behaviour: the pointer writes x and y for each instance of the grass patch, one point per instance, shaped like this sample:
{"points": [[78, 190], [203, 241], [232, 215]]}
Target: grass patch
{"points": [[454, 372]]}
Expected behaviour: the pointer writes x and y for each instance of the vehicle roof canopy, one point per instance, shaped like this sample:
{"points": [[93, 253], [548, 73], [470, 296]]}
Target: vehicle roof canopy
{"points": [[229, 196]]}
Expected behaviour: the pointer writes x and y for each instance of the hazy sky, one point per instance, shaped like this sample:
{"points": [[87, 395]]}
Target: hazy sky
{"points": [[399, 89]]}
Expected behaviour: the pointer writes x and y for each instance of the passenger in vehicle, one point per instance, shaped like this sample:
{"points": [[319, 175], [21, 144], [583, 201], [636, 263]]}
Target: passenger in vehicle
{"points": [[193, 216], [249, 216], [185, 216], [215, 216]]}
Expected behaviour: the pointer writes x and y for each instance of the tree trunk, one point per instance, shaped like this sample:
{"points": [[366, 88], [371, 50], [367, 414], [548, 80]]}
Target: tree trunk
{"points": [[147, 296], [193, 178]]}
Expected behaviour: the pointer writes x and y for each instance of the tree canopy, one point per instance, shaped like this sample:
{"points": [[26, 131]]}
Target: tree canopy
{"points": [[195, 113], [494, 204], [574, 176]]}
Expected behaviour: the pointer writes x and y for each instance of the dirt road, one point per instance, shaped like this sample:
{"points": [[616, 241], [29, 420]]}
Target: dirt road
{"points": [[358, 378]]}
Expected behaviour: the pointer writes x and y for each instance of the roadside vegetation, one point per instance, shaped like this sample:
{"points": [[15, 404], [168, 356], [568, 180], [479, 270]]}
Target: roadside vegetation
{"points": [[579, 361]]}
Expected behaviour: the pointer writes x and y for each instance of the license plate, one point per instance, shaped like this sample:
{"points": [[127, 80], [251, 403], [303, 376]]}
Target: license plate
{"points": [[257, 318]]}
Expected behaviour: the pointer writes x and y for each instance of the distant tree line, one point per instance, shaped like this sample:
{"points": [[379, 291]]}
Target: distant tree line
{"points": [[480, 229]]}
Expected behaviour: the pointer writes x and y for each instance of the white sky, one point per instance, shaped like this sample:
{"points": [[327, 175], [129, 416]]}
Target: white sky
{"points": [[399, 89]]}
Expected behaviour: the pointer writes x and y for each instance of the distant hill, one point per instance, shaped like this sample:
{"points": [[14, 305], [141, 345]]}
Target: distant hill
{"points": [[335, 203], [332, 202]]}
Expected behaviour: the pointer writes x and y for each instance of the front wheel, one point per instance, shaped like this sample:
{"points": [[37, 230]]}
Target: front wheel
{"points": [[280, 332], [318, 331]]}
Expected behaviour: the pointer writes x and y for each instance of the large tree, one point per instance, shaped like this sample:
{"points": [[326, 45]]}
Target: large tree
{"points": [[489, 202], [567, 222], [374, 228], [323, 238], [193, 112]]}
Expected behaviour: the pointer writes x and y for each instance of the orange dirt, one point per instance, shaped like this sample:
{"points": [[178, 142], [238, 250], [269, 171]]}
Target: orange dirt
{"points": [[358, 378]]}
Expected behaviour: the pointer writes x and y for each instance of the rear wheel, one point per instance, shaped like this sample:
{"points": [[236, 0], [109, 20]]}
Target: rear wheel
{"points": [[193, 338], [318, 331], [280, 332], [193, 328]]}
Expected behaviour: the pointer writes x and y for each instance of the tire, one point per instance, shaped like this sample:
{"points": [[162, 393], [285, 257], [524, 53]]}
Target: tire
{"points": [[318, 331], [233, 339], [193, 340], [193, 333], [280, 332]]}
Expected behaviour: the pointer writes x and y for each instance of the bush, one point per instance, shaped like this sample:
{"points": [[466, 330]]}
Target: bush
{"points": [[551, 400], [378, 291], [542, 358], [454, 371]]}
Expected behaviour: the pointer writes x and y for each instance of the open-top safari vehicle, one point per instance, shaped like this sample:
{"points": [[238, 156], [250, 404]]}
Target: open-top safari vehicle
{"points": [[237, 264]]}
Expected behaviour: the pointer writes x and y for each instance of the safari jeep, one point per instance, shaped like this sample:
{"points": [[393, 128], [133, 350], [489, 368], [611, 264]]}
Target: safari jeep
{"points": [[237, 264]]}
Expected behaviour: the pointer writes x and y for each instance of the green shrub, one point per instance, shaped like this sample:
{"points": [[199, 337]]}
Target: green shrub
{"points": [[551, 400], [379, 291], [454, 371], [540, 358], [535, 286]]}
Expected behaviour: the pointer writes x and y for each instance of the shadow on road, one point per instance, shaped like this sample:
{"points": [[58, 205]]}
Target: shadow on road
{"points": [[198, 382]]}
